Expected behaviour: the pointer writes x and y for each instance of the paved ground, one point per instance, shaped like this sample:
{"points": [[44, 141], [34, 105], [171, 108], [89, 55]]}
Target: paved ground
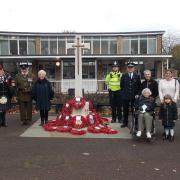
{"points": [[27, 158]]}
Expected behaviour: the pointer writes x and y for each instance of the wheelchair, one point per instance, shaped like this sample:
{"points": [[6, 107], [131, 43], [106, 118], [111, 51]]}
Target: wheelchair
{"points": [[134, 126]]}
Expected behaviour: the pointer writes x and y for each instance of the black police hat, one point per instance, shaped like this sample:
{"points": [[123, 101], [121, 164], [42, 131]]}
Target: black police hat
{"points": [[130, 64], [115, 64]]}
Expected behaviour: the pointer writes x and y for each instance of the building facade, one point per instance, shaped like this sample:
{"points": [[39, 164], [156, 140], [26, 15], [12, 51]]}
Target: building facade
{"points": [[49, 51]]}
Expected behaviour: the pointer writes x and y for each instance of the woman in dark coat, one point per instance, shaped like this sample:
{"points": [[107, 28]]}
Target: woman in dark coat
{"points": [[168, 115], [5, 96], [42, 93]]}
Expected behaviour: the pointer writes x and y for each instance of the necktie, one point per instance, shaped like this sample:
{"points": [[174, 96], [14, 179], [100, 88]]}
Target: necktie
{"points": [[130, 75]]}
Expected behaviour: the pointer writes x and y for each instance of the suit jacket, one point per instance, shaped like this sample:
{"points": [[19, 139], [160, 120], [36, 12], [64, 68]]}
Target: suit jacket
{"points": [[130, 87]]}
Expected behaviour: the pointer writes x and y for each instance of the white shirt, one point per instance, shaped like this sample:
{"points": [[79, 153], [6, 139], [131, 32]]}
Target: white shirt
{"points": [[168, 87]]}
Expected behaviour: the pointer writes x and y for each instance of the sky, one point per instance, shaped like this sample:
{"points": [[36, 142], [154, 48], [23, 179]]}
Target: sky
{"points": [[89, 15]]}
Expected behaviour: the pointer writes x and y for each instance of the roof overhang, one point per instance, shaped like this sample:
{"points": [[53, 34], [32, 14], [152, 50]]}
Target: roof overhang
{"points": [[97, 57]]}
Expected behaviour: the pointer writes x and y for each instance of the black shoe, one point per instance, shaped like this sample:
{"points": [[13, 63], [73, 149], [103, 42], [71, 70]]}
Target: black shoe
{"points": [[4, 125], [123, 125], [113, 121], [171, 138]]}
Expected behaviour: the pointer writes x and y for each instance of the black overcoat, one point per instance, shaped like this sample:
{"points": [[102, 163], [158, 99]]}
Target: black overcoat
{"points": [[130, 87], [152, 85], [5, 90], [168, 113], [42, 93]]}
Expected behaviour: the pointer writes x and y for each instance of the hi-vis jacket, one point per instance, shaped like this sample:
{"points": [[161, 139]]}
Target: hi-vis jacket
{"points": [[113, 80]]}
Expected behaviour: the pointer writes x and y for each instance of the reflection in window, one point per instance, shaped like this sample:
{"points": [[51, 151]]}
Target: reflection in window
{"points": [[151, 46], [13, 47], [22, 47], [61, 47], [31, 47], [134, 46], [70, 51], [104, 46], [143, 46], [50, 70], [87, 51], [44, 47], [96, 45], [126, 46], [113, 47], [53, 47], [68, 70], [88, 69], [4, 48]]}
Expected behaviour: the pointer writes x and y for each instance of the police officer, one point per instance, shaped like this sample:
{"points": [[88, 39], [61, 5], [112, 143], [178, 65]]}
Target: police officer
{"points": [[113, 83], [130, 88], [24, 81]]}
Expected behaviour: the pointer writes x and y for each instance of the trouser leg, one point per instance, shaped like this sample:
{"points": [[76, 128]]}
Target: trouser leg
{"points": [[1, 119], [119, 106], [46, 115], [148, 122], [29, 110], [22, 110], [42, 115], [4, 119], [113, 105], [125, 111], [140, 122]]}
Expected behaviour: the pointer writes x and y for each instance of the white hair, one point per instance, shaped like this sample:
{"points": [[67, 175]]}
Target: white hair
{"points": [[42, 72], [147, 71], [146, 90]]}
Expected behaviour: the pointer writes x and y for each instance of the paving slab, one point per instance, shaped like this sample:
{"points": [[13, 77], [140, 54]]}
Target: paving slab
{"points": [[37, 131]]}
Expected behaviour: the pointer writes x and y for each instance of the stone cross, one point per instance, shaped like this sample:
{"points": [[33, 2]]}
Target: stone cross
{"points": [[78, 46]]}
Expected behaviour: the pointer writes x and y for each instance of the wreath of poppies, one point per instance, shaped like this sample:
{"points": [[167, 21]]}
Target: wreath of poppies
{"points": [[77, 104], [65, 122]]}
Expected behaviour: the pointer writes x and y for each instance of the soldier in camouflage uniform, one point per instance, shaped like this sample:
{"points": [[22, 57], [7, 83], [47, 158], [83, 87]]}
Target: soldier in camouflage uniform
{"points": [[24, 81]]}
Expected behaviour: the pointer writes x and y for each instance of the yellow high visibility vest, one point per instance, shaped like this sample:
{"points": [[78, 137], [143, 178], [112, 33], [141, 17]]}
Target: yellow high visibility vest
{"points": [[113, 80]]}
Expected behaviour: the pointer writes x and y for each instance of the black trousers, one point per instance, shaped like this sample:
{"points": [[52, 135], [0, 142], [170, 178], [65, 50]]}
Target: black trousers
{"points": [[44, 116], [126, 105], [2, 118], [116, 105]]}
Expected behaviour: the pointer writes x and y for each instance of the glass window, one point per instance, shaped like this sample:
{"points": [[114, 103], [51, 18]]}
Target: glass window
{"points": [[31, 47], [143, 46], [53, 47], [113, 47], [126, 46], [151, 46], [50, 70], [88, 69], [69, 70], [104, 46], [70, 51], [13, 47], [22, 47], [4, 47], [62, 46], [96, 45], [134, 46], [87, 51], [44, 47]]}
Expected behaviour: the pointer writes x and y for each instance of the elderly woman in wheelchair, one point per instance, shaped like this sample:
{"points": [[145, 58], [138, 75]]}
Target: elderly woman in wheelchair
{"points": [[144, 106]]}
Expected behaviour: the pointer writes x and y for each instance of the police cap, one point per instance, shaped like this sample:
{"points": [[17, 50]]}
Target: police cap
{"points": [[130, 64], [24, 65], [115, 64]]}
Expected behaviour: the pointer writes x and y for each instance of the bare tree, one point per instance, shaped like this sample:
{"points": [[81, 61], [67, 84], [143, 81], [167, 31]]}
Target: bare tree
{"points": [[170, 39]]}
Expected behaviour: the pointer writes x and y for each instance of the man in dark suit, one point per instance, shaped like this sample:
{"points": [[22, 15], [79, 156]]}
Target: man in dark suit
{"points": [[130, 88]]}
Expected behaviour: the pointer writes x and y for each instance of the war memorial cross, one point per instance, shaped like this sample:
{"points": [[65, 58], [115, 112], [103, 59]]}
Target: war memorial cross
{"points": [[78, 46]]}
